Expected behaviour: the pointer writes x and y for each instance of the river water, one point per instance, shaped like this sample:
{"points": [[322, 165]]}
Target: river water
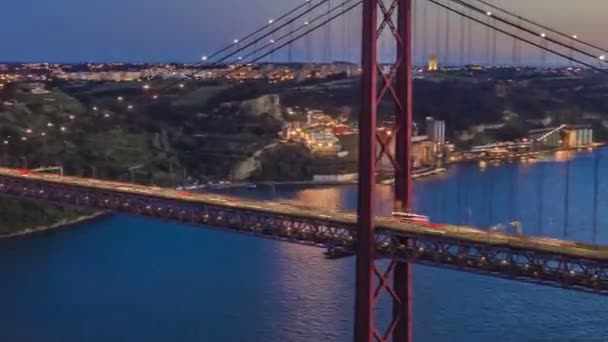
{"points": [[131, 279]]}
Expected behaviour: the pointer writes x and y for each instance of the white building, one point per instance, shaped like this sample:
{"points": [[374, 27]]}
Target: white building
{"points": [[435, 130]]}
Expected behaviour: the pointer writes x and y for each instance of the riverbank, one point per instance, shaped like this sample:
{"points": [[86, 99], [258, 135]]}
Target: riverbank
{"points": [[253, 185], [59, 225]]}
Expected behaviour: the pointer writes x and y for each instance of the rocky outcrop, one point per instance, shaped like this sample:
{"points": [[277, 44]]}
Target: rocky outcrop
{"points": [[246, 168], [269, 104]]}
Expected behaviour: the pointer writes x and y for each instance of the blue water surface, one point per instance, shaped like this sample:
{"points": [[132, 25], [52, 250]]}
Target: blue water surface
{"points": [[126, 278]]}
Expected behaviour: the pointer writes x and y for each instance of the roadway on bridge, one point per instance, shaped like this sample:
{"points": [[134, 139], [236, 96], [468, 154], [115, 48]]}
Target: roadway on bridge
{"points": [[568, 248]]}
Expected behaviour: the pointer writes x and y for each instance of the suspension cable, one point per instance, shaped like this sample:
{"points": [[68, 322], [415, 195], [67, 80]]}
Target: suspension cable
{"points": [[521, 39], [261, 29], [269, 34], [304, 34], [549, 29], [525, 29]]}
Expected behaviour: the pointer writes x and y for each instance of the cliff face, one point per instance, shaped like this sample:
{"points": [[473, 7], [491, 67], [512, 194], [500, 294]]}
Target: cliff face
{"points": [[247, 168], [269, 104]]}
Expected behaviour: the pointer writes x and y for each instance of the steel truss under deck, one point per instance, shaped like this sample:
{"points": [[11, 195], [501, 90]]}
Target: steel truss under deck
{"points": [[526, 265]]}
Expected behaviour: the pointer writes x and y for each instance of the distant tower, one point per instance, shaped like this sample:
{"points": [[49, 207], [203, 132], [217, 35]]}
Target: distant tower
{"points": [[433, 66]]}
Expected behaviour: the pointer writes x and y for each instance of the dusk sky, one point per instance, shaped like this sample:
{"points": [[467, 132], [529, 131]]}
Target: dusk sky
{"points": [[184, 30]]}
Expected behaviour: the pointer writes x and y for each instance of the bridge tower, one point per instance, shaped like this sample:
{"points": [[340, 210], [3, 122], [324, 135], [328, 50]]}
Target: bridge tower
{"points": [[372, 278]]}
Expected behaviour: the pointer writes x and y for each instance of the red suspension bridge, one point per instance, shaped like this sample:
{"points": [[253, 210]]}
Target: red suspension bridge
{"points": [[386, 76]]}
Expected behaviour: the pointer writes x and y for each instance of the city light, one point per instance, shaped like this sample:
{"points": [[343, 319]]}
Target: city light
{"points": [[574, 36], [235, 41], [28, 131], [270, 21], [62, 129], [5, 142], [120, 98], [146, 86], [543, 35], [602, 57], [306, 23], [72, 117], [272, 41], [204, 58], [155, 97], [181, 85], [489, 13], [95, 108], [43, 134], [130, 106], [106, 115], [23, 138]]}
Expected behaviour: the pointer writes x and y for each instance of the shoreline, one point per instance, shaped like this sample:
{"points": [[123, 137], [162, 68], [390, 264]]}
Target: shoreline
{"points": [[59, 225], [253, 185]]}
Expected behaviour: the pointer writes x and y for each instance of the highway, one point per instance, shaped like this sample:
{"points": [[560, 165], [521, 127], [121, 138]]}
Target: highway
{"points": [[462, 233]]}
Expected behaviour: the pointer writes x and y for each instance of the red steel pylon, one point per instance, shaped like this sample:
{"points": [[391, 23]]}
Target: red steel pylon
{"points": [[395, 84]]}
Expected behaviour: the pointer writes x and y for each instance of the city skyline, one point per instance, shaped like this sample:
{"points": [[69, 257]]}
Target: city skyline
{"points": [[183, 31]]}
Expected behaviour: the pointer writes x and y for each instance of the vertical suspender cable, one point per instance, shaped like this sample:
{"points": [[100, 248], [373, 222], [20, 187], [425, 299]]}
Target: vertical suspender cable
{"points": [[541, 197], [567, 195], [462, 34], [595, 193], [447, 36]]}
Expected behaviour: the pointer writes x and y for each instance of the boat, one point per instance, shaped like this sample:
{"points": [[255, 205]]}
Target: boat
{"points": [[410, 217]]}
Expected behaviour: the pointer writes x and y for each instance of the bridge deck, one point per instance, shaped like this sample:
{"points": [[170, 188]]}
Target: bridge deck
{"points": [[462, 233]]}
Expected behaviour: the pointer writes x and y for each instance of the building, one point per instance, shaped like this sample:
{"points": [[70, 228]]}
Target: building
{"points": [[324, 142], [565, 136], [577, 136], [342, 130], [435, 130], [433, 65], [424, 153]]}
